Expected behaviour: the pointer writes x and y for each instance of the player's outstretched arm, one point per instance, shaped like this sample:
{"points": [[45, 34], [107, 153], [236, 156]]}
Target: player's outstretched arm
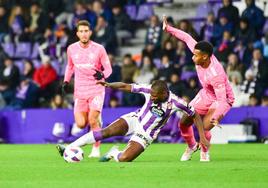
{"points": [[200, 128], [116, 85], [185, 37]]}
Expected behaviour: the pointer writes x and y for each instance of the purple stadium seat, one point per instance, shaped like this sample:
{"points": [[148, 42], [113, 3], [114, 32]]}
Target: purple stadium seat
{"points": [[119, 95], [157, 63], [131, 10], [62, 70], [187, 75], [145, 12], [158, 1], [35, 51], [265, 27], [9, 48], [56, 65], [203, 10], [20, 65], [197, 23], [23, 50], [36, 63], [216, 8]]}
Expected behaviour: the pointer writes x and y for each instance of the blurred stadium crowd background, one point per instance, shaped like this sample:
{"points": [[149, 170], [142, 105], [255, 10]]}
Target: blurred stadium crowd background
{"points": [[34, 36]]}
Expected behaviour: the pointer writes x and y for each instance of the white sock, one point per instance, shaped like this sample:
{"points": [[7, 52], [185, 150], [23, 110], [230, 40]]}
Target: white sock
{"points": [[83, 140], [116, 154]]}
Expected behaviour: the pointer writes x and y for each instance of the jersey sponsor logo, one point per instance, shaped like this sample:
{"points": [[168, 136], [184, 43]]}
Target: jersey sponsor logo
{"points": [[157, 111], [84, 65]]}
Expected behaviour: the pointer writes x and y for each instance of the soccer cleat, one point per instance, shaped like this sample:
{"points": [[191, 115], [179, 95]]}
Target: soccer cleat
{"points": [[187, 155], [61, 149], [204, 156], [109, 155], [95, 152]]}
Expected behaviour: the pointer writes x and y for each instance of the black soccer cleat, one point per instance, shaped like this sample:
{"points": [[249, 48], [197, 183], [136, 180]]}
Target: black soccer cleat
{"points": [[61, 149]]}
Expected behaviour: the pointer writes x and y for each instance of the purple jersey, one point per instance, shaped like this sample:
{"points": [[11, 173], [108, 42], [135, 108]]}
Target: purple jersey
{"points": [[154, 116]]}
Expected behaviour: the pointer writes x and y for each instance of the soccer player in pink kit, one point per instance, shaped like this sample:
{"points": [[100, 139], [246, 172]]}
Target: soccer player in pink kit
{"points": [[89, 62], [213, 101]]}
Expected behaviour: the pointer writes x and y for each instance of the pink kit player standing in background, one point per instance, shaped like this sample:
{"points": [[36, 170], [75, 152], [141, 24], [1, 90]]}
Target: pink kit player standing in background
{"points": [[215, 98], [89, 62]]}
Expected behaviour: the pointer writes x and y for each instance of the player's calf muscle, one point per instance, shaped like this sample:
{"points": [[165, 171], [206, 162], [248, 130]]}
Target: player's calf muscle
{"points": [[94, 123]]}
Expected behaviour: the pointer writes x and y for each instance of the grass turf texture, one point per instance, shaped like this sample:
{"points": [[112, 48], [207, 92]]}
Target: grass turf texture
{"points": [[232, 165]]}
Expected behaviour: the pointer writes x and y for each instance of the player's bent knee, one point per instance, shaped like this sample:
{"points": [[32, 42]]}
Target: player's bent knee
{"points": [[81, 124], [124, 158], [94, 123]]}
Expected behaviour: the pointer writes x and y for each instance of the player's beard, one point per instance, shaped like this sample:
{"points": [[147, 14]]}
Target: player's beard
{"points": [[84, 42]]}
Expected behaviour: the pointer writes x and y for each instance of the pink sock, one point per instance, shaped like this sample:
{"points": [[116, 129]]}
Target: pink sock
{"points": [[97, 144], [188, 134], [208, 137]]}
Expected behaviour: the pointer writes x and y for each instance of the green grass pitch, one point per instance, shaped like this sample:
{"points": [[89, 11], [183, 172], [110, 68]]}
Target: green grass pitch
{"points": [[232, 166]]}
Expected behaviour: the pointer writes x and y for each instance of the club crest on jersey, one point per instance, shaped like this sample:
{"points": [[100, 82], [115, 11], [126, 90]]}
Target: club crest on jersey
{"points": [[157, 111]]}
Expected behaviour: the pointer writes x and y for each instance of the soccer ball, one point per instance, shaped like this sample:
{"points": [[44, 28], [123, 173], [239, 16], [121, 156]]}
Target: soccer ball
{"points": [[73, 154]]}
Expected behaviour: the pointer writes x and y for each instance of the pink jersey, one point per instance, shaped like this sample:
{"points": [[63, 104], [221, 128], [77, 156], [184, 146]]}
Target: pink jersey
{"points": [[213, 79], [83, 62]]}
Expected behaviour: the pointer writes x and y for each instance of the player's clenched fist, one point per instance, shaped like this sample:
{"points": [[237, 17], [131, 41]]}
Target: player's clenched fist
{"points": [[98, 75], [64, 88]]}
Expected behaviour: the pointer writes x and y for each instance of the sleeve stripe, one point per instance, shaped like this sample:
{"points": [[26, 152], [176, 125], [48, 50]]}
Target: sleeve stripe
{"points": [[139, 89], [182, 107]]}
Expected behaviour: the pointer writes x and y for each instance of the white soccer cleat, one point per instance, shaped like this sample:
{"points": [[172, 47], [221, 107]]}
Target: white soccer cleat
{"points": [[95, 152], [204, 156], [187, 155]]}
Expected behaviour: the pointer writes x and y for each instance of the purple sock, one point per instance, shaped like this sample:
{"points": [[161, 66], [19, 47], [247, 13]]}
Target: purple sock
{"points": [[97, 135]]}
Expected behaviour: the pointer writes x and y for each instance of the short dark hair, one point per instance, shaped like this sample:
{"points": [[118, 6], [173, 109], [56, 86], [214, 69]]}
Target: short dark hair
{"points": [[205, 47], [160, 86], [82, 22]]}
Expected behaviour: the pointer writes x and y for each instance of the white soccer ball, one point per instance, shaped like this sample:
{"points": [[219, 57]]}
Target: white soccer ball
{"points": [[73, 154]]}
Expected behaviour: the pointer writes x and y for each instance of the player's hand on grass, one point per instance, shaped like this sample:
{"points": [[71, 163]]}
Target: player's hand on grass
{"points": [[98, 75], [103, 83], [64, 88], [165, 24]]}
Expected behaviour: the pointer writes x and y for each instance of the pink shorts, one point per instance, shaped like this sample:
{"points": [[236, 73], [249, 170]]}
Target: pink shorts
{"points": [[92, 103], [202, 103]]}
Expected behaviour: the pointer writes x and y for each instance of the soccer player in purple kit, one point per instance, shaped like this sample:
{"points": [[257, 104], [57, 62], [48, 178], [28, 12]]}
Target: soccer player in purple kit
{"points": [[144, 124]]}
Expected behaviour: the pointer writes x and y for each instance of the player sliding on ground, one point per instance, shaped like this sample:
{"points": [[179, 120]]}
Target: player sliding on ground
{"points": [[213, 101], [144, 124]]}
